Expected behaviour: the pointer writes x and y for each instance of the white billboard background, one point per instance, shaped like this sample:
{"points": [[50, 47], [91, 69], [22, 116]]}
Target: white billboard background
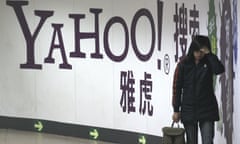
{"points": [[90, 93]]}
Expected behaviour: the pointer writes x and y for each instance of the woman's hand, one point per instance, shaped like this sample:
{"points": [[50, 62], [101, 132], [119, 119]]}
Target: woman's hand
{"points": [[205, 50], [176, 116]]}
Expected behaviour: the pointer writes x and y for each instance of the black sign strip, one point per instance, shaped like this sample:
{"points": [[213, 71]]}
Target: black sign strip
{"points": [[80, 131]]}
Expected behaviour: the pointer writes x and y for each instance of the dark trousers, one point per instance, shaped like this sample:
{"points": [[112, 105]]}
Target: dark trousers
{"points": [[207, 132]]}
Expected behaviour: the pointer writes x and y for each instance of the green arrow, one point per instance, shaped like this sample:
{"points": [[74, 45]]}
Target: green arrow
{"points": [[94, 133], [38, 125], [142, 140]]}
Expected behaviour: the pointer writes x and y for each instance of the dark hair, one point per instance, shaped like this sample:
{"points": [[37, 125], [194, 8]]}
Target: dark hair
{"points": [[198, 42]]}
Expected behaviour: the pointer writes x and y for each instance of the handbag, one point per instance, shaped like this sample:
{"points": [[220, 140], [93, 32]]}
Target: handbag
{"points": [[173, 135]]}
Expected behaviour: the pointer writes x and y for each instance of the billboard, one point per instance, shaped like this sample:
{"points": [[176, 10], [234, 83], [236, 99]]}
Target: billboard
{"points": [[104, 64]]}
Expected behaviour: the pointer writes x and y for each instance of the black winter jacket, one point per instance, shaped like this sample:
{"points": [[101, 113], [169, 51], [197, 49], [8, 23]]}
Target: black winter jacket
{"points": [[193, 92]]}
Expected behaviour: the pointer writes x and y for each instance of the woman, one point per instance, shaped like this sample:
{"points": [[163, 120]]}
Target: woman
{"points": [[194, 101]]}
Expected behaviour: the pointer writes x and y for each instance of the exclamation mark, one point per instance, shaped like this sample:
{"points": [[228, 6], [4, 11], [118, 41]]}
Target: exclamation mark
{"points": [[160, 16]]}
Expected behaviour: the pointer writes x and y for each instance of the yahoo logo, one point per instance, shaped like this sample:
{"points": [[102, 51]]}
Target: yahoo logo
{"points": [[78, 35]]}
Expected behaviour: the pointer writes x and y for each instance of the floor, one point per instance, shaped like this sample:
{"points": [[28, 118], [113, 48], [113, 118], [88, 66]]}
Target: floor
{"points": [[23, 137]]}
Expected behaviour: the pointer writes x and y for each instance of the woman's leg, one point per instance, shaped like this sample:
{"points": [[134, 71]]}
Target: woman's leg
{"points": [[207, 131], [191, 132]]}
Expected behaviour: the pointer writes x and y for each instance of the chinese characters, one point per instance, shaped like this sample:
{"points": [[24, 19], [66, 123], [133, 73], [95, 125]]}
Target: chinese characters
{"points": [[181, 25], [127, 85]]}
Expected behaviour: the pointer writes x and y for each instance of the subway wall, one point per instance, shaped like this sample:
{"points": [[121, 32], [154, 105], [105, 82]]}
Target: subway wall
{"points": [[110, 63]]}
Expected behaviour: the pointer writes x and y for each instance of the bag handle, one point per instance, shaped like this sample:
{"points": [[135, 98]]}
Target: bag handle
{"points": [[173, 124]]}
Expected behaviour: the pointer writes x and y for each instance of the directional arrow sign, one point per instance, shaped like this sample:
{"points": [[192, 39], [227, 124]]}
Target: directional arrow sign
{"points": [[38, 125], [142, 140], [94, 133]]}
